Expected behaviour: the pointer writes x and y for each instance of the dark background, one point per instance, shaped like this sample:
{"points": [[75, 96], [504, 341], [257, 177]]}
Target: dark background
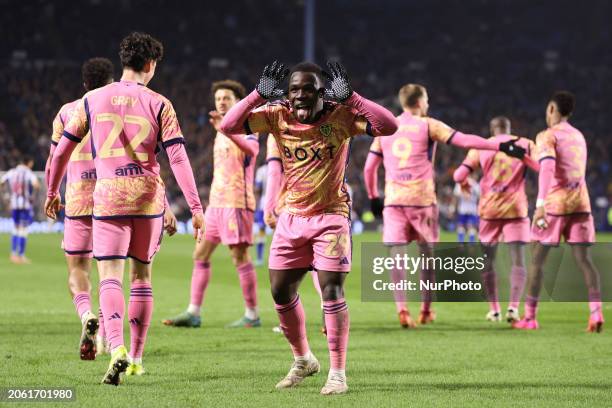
{"points": [[477, 58]]}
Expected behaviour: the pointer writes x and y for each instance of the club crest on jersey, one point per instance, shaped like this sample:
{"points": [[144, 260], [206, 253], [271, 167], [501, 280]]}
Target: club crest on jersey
{"points": [[326, 129]]}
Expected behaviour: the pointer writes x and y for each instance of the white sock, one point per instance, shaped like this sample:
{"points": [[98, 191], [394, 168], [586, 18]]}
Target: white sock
{"points": [[336, 373], [136, 360], [193, 309], [251, 313]]}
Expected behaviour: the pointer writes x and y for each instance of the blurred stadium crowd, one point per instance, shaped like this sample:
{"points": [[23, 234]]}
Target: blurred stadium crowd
{"points": [[478, 59]]}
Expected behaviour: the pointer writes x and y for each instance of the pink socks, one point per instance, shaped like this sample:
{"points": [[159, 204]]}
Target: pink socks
{"points": [[248, 283], [293, 323], [337, 324], [112, 304], [140, 309], [518, 277], [199, 281], [82, 302]]}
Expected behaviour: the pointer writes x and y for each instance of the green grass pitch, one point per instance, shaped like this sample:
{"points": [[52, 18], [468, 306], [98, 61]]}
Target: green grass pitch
{"points": [[460, 360]]}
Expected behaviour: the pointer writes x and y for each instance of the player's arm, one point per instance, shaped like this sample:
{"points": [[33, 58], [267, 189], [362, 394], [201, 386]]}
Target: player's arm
{"points": [[249, 144], [530, 159], [240, 119], [58, 130], [440, 132], [547, 156], [275, 181], [469, 164], [273, 189], [174, 144], [72, 135], [370, 177], [381, 122]]}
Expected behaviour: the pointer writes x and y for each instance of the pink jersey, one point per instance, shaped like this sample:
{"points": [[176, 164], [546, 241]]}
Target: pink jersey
{"points": [[234, 170], [314, 156], [126, 120], [568, 193], [408, 160], [502, 186], [81, 172]]}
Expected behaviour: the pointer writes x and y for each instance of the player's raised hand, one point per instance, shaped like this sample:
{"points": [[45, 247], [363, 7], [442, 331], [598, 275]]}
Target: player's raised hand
{"points": [[512, 150], [215, 119], [53, 206], [339, 81], [270, 80], [198, 226]]}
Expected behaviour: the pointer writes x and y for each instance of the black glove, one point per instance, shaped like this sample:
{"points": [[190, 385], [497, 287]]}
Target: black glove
{"points": [[340, 86], [512, 150], [270, 79], [376, 206]]}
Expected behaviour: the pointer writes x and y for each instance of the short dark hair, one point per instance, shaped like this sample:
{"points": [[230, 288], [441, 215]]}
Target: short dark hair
{"points": [[236, 87], [97, 72], [26, 158], [138, 48], [306, 66], [502, 122], [565, 101], [410, 94]]}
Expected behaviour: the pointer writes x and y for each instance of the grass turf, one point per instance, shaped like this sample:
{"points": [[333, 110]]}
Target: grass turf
{"points": [[460, 360]]}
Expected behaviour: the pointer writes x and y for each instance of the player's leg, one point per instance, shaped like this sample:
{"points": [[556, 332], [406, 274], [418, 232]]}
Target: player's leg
{"points": [[396, 231], [79, 268], [290, 258], [428, 274], [424, 222], [25, 219], [111, 241], [144, 244], [471, 228], [489, 280], [332, 251], [580, 233], [337, 323], [77, 244], [140, 310], [201, 272], [582, 255], [315, 281], [15, 237], [284, 285], [461, 227], [518, 278], [248, 283], [535, 277]]}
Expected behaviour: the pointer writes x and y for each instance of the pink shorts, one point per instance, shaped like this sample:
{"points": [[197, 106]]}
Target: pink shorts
{"points": [[575, 228], [402, 225], [512, 230], [321, 241], [229, 226], [138, 238], [78, 237]]}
